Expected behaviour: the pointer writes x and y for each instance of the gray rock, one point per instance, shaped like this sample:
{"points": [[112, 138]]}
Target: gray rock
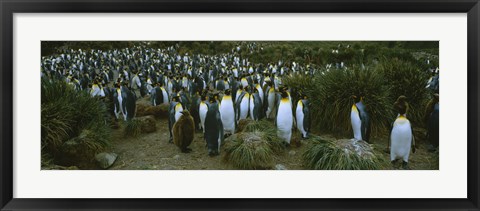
{"points": [[105, 160], [280, 167], [176, 157]]}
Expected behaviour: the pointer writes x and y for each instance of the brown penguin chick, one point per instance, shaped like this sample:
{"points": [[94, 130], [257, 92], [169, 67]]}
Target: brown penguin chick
{"points": [[184, 131], [401, 105]]}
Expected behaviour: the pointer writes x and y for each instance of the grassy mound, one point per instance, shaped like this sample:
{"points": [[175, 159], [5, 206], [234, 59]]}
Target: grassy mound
{"points": [[66, 113], [249, 151], [133, 128], [269, 134], [254, 146], [346, 154]]}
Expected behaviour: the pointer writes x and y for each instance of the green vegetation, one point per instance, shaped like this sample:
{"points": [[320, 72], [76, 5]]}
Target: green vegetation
{"points": [[67, 114], [133, 128], [248, 150], [406, 78], [254, 147], [269, 134], [334, 155]]}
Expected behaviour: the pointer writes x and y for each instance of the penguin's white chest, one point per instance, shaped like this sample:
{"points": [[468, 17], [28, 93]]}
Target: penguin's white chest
{"points": [[203, 109], [260, 92], [165, 95], [178, 109], [285, 120], [252, 106], [244, 106], [271, 102], [356, 123], [227, 114], [401, 139], [299, 116], [238, 95]]}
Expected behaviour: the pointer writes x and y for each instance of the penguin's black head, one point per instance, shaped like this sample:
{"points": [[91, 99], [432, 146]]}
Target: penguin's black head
{"points": [[402, 99], [356, 99], [211, 98], [284, 93], [228, 92], [176, 98]]}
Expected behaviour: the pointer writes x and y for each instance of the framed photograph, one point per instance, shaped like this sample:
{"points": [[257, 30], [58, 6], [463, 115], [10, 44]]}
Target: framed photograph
{"points": [[239, 105]]}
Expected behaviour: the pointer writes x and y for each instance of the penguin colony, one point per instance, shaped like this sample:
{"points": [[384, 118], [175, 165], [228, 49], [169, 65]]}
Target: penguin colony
{"points": [[212, 94]]}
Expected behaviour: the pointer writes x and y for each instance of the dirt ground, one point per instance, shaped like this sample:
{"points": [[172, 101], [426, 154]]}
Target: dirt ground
{"points": [[153, 152]]}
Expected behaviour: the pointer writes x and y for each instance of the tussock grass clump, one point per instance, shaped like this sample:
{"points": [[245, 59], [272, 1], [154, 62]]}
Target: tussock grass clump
{"points": [[406, 78], [331, 99], [269, 134], [254, 146], [346, 154], [133, 128], [248, 151], [66, 112]]}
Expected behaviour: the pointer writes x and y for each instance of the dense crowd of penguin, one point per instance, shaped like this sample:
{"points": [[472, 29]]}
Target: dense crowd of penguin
{"points": [[213, 93]]}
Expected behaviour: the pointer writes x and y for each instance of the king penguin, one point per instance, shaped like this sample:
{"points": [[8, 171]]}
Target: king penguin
{"points": [[271, 98], [227, 113], [243, 105], [303, 116], [128, 103], [202, 110], [184, 131], [174, 113], [213, 128], [401, 104], [360, 120], [432, 119], [401, 139], [256, 107], [284, 117], [156, 96]]}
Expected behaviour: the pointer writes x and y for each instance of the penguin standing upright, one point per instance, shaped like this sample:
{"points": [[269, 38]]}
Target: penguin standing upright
{"points": [[271, 98], [284, 117], [202, 110], [117, 101], [164, 94], [174, 114], [194, 110], [360, 120], [401, 139], [129, 105], [303, 116], [156, 96], [227, 113], [213, 128], [256, 107], [184, 131], [243, 105], [432, 120]]}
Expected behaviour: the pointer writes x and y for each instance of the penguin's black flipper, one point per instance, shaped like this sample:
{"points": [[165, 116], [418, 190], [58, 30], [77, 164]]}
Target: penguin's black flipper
{"points": [[237, 105], [367, 127], [414, 145], [306, 117]]}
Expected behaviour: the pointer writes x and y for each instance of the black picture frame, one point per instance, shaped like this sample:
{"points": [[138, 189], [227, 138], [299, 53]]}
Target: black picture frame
{"points": [[9, 7]]}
